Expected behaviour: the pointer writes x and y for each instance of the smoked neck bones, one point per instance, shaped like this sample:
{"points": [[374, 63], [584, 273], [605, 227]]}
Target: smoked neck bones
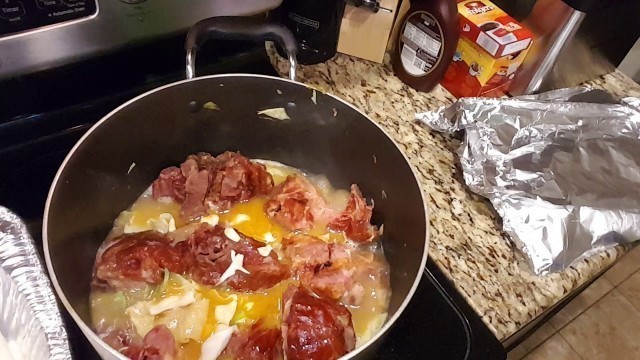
{"points": [[204, 252]]}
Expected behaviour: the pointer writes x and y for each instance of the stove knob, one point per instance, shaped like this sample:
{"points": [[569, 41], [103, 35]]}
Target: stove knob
{"points": [[11, 10]]}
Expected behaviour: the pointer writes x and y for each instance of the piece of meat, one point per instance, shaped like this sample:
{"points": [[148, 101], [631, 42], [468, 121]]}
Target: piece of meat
{"points": [[212, 256], [236, 179], [205, 161], [204, 252], [315, 328], [170, 183], [332, 282], [324, 268], [122, 340], [296, 204], [289, 204], [265, 271], [158, 344], [304, 250], [255, 343], [208, 242], [204, 182], [369, 270], [138, 258], [189, 167], [196, 188], [355, 220]]}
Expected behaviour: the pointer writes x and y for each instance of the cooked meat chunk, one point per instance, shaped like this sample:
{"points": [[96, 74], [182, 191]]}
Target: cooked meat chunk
{"points": [[170, 183], [315, 328], [134, 259], [237, 179], [324, 268], [334, 271], [212, 249], [332, 282], [255, 343], [204, 182], [296, 204], [304, 250], [355, 220], [196, 188], [205, 254], [290, 203], [158, 344]]}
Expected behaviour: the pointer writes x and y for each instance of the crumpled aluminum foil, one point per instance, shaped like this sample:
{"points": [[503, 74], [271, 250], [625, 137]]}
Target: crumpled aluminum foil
{"points": [[564, 174], [30, 320]]}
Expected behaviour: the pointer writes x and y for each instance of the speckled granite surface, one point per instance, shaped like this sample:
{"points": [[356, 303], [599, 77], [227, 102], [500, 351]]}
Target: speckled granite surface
{"points": [[466, 241]]}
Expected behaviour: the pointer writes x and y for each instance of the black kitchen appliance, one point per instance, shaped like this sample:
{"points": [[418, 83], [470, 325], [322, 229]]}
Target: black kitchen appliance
{"points": [[315, 25], [42, 114]]}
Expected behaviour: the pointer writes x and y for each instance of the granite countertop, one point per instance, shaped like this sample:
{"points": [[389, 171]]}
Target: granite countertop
{"points": [[465, 236]]}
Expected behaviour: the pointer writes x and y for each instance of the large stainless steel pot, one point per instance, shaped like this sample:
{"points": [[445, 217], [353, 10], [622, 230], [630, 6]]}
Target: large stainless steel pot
{"points": [[117, 159]]}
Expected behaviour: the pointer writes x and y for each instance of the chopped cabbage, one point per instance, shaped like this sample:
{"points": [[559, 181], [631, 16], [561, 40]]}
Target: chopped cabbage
{"points": [[215, 344], [210, 106], [275, 113], [174, 304], [164, 223], [224, 313], [186, 322], [373, 327], [140, 317], [171, 302]]}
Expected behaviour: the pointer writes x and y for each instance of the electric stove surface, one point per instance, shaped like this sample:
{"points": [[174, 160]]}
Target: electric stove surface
{"points": [[48, 114]]}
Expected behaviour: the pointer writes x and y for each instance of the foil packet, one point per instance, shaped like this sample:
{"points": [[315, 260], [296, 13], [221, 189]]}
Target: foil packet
{"points": [[30, 323], [561, 168]]}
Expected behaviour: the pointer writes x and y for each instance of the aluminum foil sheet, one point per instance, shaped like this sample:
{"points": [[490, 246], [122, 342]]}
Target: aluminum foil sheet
{"points": [[30, 320], [563, 173]]}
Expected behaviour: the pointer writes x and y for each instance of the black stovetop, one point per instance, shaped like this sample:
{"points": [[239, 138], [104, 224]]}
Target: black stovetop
{"points": [[42, 115]]}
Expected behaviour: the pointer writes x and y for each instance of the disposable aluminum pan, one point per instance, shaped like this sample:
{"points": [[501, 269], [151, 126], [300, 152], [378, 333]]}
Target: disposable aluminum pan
{"points": [[30, 320]]}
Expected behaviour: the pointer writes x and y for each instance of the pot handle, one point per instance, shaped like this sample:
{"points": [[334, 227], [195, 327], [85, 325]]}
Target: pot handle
{"points": [[238, 28]]}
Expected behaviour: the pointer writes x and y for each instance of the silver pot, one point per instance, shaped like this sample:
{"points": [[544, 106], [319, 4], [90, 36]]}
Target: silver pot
{"points": [[325, 135]]}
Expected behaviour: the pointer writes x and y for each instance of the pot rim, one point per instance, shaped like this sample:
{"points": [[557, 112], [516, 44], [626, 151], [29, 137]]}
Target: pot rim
{"points": [[88, 332]]}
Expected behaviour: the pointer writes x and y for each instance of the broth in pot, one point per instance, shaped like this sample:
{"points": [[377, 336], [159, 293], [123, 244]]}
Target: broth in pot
{"points": [[231, 258]]}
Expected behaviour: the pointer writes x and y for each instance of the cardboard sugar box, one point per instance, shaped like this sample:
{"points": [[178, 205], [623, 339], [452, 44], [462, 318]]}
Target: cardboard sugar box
{"points": [[492, 46]]}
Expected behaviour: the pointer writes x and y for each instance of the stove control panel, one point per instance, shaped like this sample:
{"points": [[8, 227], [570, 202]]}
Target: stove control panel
{"points": [[45, 34], [23, 15]]}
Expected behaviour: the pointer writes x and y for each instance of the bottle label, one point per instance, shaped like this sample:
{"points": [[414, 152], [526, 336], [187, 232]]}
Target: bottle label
{"points": [[421, 45]]}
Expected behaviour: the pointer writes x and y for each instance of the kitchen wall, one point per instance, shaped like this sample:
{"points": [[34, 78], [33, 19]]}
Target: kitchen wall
{"points": [[630, 65]]}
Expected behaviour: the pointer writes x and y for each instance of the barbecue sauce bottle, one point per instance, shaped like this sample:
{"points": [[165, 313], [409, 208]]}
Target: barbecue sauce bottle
{"points": [[426, 43]]}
